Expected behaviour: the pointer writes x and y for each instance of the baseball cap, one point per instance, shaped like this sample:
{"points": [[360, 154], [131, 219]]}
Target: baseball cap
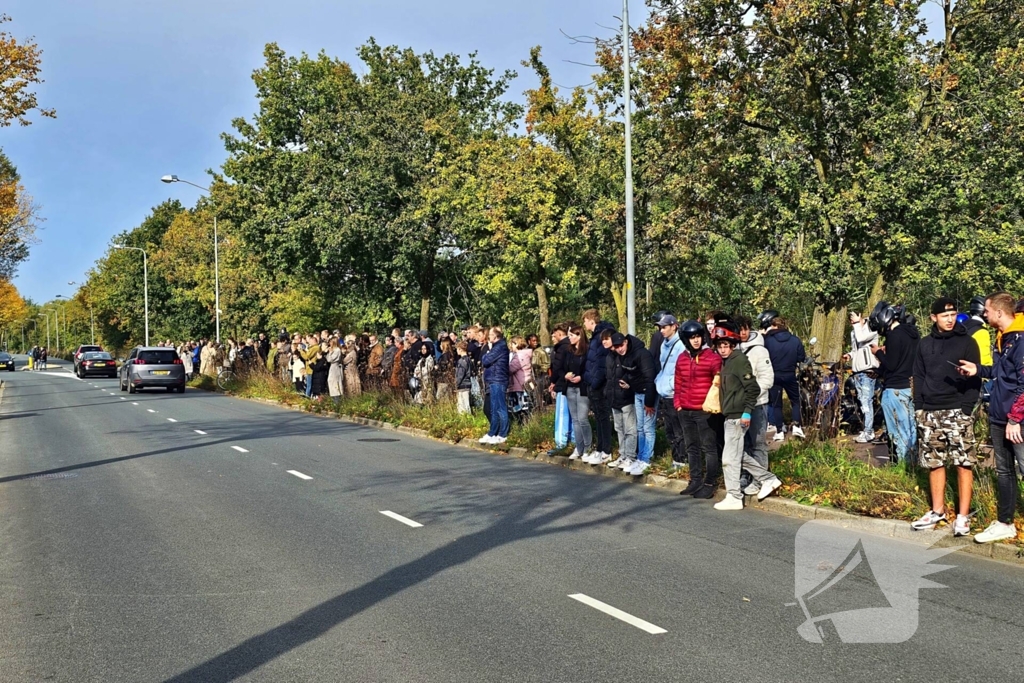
{"points": [[942, 305], [618, 339], [667, 320]]}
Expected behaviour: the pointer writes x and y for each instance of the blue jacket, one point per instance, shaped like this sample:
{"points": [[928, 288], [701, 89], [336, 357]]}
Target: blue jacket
{"points": [[667, 356], [786, 351], [495, 364], [596, 355], [196, 357], [1006, 402]]}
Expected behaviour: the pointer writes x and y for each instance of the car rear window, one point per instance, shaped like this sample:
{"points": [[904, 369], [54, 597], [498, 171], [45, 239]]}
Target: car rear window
{"points": [[159, 357], [96, 356], [86, 349]]}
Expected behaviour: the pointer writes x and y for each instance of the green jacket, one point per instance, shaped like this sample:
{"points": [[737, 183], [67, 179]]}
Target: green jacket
{"points": [[739, 390]]}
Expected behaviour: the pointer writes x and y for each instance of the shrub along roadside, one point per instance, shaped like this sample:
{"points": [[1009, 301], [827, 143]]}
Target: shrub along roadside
{"points": [[815, 473]]}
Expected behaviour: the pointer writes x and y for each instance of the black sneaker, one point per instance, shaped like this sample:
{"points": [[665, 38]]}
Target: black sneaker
{"points": [[706, 492], [691, 488]]}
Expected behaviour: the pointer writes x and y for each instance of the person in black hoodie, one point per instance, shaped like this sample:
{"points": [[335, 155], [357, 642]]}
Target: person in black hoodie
{"points": [[944, 402], [897, 366], [631, 377], [786, 351], [595, 378]]}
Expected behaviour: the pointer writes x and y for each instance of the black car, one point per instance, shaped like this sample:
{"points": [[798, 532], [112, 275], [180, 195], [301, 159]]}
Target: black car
{"points": [[6, 362], [81, 351], [96, 363]]}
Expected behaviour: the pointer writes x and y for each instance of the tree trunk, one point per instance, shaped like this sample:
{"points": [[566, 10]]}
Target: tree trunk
{"points": [[829, 328], [619, 296], [542, 309], [425, 313]]}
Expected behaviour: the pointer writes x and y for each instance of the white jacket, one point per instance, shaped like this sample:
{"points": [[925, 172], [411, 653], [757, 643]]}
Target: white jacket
{"points": [[761, 363], [862, 336]]}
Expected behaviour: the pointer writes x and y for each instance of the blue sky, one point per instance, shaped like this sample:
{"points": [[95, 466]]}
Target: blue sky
{"points": [[145, 88]]}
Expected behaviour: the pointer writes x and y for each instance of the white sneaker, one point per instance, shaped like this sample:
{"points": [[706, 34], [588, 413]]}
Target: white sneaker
{"points": [[639, 468], [769, 487], [798, 432], [996, 531], [779, 436], [627, 464], [962, 527], [575, 455], [929, 520], [588, 458], [865, 437], [499, 439], [729, 503], [486, 438], [600, 459], [770, 429], [752, 489], [616, 462]]}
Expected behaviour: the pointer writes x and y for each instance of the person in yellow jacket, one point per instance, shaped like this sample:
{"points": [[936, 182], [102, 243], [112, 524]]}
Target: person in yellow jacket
{"points": [[976, 327]]}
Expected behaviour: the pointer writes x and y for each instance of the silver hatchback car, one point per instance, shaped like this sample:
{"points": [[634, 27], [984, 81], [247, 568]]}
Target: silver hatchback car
{"points": [[152, 366]]}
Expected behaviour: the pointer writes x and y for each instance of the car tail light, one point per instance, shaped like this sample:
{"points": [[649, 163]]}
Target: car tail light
{"points": [[139, 361], [177, 361]]}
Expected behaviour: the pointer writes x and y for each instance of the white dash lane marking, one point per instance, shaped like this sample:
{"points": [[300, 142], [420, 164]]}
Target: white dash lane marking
{"points": [[199, 431], [240, 449], [618, 614], [171, 419], [400, 518], [150, 410], [134, 403], [300, 475]]}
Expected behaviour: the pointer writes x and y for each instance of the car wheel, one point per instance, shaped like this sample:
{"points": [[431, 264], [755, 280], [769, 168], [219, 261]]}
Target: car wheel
{"points": [[131, 388]]}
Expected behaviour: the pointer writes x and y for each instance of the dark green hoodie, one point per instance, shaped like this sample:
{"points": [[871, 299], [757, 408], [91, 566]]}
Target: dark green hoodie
{"points": [[739, 390]]}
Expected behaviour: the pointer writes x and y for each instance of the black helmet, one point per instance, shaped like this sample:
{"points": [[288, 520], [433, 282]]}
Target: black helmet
{"points": [[691, 328], [766, 317], [977, 306], [656, 318], [882, 317]]}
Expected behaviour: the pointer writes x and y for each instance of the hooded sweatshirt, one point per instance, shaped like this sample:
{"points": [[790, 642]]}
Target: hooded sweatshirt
{"points": [[761, 362], [976, 328], [637, 369], [786, 351], [596, 355], [898, 358], [1006, 403], [937, 383]]}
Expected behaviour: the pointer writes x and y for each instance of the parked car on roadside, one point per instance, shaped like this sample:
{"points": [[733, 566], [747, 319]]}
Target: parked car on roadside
{"points": [[95, 363], [6, 362], [152, 366]]}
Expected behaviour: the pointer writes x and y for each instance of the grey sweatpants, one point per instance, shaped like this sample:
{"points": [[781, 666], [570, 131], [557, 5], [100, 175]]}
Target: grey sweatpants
{"points": [[735, 459], [624, 419], [579, 411]]}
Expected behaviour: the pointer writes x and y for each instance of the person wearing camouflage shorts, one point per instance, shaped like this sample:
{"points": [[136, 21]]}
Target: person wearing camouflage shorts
{"points": [[944, 402]]}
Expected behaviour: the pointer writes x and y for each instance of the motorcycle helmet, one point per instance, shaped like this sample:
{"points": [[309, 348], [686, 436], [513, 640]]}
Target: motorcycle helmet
{"points": [[766, 317], [656, 318], [722, 332], [690, 328], [882, 317], [977, 307], [962, 318]]}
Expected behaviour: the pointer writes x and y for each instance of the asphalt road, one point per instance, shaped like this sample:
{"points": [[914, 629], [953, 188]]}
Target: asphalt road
{"points": [[135, 548]]}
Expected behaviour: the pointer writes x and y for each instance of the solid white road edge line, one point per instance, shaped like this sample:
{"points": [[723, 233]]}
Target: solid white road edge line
{"points": [[300, 475], [618, 614], [240, 449], [400, 518], [199, 431]]}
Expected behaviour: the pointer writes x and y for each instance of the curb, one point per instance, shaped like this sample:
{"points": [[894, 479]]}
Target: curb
{"points": [[893, 528]]}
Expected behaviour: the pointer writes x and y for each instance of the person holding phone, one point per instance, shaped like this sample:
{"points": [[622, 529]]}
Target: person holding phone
{"points": [[944, 403]]}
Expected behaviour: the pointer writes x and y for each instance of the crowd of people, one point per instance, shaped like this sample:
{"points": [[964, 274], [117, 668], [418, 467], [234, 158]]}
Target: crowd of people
{"points": [[717, 388]]}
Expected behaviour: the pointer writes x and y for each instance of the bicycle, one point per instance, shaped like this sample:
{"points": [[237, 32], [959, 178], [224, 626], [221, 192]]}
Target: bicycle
{"points": [[225, 378]]}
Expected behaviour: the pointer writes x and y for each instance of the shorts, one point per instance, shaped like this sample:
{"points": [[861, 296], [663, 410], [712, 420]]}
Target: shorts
{"points": [[946, 437]]}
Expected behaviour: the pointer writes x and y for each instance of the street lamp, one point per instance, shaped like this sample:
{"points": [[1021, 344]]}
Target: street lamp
{"points": [[64, 311], [628, 99], [216, 255], [145, 281], [47, 316]]}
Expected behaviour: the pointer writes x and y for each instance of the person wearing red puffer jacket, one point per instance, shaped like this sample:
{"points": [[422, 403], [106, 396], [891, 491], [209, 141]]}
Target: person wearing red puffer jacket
{"points": [[695, 373]]}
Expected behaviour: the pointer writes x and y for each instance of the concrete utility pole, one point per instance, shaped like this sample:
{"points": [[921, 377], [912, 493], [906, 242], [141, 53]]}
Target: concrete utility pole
{"points": [[630, 246]]}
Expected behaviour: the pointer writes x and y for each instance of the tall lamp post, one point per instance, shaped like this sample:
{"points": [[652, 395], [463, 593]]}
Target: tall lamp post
{"points": [[145, 281], [63, 310], [216, 255], [47, 316], [627, 97]]}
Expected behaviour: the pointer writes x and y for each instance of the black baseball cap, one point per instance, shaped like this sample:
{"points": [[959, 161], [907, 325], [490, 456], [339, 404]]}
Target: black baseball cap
{"points": [[618, 339], [943, 305]]}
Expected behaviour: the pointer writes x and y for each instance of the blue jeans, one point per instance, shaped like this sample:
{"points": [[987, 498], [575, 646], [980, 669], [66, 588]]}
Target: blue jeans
{"points": [[645, 425], [309, 386], [499, 410], [898, 408], [865, 385]]}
